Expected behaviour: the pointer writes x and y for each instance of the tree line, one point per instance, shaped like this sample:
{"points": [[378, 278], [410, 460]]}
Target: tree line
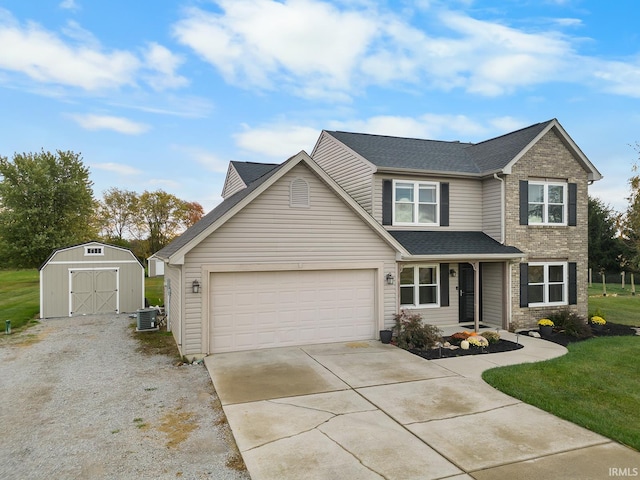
{"points": [[47, 202]]}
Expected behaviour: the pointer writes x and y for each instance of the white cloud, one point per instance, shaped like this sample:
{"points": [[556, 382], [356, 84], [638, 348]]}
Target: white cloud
{"points": [[108, 122], [279, 141], [118, 168], [164, 64], [69, 5], [75, 58], [267, 43], [45, 57]]}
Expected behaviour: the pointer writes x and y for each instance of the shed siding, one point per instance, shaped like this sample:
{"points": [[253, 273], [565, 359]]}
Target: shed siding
{"points": [[269, 231], [492, 208], [351, 172], [54, 278], [233, 183], [465, 201]]}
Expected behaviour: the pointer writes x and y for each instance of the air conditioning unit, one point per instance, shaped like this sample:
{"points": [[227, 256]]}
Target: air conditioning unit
{"points": [[147, 320]]}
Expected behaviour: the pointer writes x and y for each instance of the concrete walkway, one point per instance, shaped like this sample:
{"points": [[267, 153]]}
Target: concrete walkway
{"points": [[364, 410]]}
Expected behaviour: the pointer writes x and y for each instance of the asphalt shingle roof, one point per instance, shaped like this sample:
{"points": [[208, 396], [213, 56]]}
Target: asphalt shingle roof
{"points": [[450, 243], [439, 156], [250, 171]]}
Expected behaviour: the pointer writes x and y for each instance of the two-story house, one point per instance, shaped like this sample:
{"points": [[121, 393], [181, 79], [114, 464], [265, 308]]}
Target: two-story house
{"points": [[329, 247]]}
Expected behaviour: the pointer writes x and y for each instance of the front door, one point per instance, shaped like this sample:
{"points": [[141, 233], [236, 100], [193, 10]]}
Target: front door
{"points": [[466, 291]]}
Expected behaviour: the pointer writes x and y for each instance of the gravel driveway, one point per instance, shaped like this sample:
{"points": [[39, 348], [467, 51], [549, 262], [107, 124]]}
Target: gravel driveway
{"points": [[78, 401]]}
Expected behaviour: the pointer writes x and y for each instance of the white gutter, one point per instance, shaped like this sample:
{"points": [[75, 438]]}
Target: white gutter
{"points": [[502, 209], [464, 258]]}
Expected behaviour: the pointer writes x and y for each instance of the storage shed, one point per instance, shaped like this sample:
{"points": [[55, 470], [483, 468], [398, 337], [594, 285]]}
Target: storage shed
{"points": [[91, 278]]}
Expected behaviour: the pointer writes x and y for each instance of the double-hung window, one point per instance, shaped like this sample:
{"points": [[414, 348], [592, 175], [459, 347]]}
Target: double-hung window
{"points": [[419, 286], [415, 203], [547, 203], [547, 284]]}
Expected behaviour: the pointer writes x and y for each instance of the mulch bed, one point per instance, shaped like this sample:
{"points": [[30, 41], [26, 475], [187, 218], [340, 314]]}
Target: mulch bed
{"points": [[435, 353], [559, 337], [609, 330]]}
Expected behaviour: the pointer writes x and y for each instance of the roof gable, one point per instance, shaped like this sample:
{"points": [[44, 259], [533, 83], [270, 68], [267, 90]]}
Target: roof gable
{"points": [[175, 251]]}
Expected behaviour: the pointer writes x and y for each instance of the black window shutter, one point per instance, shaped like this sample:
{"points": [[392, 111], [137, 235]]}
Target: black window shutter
{"points": [[524, 285], [573, 283], [444, 284], [524, 202], [444, 204], [387, 202], [573, 204]]}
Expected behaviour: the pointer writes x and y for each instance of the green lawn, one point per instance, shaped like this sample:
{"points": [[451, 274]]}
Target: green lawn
{"points": [[20, 298], [596, 385], [619, 306], [154, 290]]}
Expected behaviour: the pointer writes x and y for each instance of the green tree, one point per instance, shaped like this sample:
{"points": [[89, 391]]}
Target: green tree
{"points": [[163, 216], [606, 250], [46, 202], [117, 214], [630, 223]]}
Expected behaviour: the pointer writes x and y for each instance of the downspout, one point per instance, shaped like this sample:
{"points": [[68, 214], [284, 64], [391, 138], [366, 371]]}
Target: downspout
{"points": [[502, 212]]}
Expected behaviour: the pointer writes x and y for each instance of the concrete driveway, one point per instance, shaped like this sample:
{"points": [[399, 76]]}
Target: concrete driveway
{"points": [[363, 410]]}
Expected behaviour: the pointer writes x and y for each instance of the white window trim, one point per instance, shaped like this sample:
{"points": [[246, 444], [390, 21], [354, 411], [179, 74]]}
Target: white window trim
{"points": [[88, 253], [416, 285], [545, 204], [416, 192], [565, 284]]}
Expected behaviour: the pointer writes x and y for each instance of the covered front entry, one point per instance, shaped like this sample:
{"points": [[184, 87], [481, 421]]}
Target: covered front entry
{"points": [[93, 291], [466, 292], [252, 310]]}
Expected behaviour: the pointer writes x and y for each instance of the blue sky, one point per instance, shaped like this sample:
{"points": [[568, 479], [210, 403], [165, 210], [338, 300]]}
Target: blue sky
{"points": [[163, 94]]}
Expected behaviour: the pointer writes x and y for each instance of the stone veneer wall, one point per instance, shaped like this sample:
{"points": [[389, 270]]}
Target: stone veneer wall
{"points": [[549, 159]]}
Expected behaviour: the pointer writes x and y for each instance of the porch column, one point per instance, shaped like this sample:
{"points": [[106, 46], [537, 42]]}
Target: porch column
{"points": [[476, 296]]}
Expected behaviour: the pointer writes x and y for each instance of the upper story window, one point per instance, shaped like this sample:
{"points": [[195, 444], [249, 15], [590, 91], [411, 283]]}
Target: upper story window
{"points": [[415, 203], [547, 203], [93, 251]]}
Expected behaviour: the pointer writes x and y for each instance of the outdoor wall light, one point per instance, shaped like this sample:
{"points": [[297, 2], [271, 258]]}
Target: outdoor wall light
{"points": [[390, 279], [195, 286], [452, 273]]}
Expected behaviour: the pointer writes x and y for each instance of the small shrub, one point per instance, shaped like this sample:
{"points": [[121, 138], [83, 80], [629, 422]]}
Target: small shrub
{"points": [[411, 333], [573, 324], [492, 337]]}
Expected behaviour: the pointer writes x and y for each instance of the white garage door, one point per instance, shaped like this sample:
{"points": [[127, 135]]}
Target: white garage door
{"points": [[252, 310]]}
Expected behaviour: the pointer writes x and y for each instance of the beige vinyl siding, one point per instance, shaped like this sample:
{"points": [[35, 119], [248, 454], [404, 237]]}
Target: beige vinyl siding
{"points": [[441, 316], [233, 183], [172, 276], [350, 171], [465, 201], [269, 231], [492, 208], [54, 278], [492, 293]]}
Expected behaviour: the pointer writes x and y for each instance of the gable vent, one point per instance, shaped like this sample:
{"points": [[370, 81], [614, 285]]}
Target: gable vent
{"points": [[299, 195]]}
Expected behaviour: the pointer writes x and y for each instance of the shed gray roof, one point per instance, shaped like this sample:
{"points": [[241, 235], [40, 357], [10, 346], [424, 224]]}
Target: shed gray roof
{"points": [[451, 243], [250, 171], [214, 215], [432, 155]]}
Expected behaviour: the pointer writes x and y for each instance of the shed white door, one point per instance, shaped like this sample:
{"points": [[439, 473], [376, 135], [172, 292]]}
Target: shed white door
{"points": [[93, 291], [251, 310]]}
